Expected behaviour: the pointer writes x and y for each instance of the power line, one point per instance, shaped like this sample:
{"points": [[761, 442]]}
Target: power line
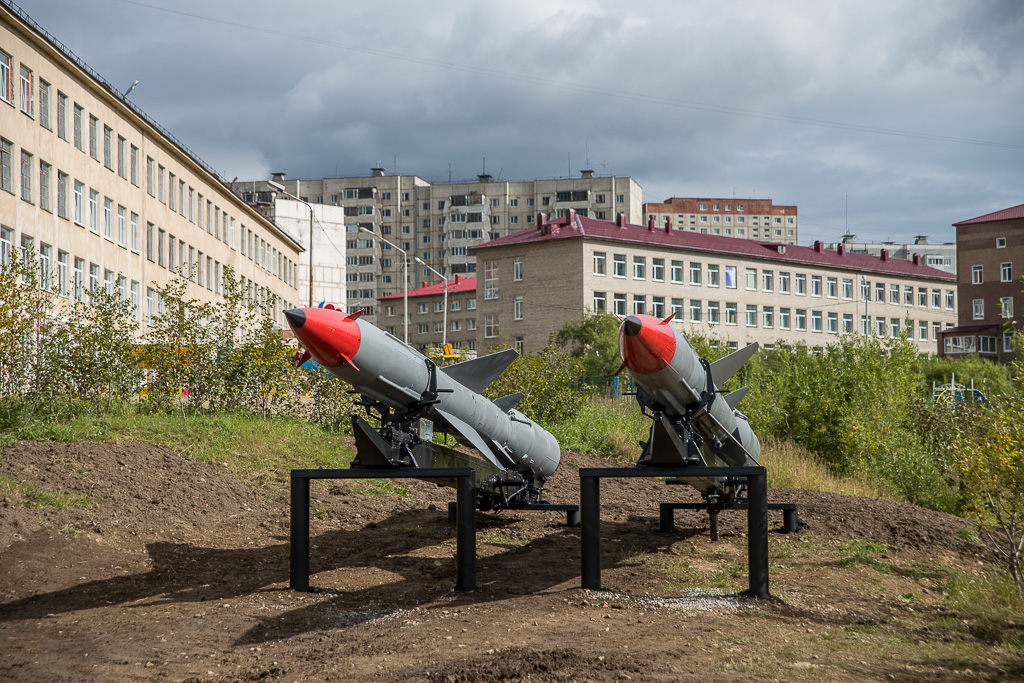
{"points": [[586, 88]]}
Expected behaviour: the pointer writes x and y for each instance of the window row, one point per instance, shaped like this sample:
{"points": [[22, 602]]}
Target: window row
{"points": [[1005, 273], [698, 274]]}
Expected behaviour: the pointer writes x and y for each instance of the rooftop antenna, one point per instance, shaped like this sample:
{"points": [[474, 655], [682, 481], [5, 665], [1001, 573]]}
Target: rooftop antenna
{"points": [[394, 164], [485, 166], [586, 147], [568, 163]]}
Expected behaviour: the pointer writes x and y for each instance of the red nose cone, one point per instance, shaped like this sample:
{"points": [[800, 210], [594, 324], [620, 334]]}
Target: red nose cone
{"points": [[646, 344], [329, 335]]}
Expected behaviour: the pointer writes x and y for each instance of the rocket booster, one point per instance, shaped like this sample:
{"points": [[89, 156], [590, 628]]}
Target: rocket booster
{"points": [[383, 368], [684, 389]]}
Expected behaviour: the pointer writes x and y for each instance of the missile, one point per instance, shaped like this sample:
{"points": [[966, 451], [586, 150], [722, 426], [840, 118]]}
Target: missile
{"points": [[694, 422], [403, 387]]}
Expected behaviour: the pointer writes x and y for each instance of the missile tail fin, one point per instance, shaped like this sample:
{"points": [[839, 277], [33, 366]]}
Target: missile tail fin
{"points": [[507, 403], [735, 397], [477, 374], [724, 368], [473, 437], [621, 368], [355, 316], [669, 318]]}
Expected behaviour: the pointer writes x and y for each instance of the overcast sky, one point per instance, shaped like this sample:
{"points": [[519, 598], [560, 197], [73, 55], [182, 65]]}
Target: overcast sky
{"points": [[911, 113]]}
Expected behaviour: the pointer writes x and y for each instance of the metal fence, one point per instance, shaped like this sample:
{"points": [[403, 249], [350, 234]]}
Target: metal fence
{"points": [[619, 386]]}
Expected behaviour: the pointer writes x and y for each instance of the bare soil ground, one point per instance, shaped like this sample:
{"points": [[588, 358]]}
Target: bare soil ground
{"points": [[177, 571]]}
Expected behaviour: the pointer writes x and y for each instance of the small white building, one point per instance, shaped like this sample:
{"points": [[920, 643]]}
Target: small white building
{"points": [[328, 249]]}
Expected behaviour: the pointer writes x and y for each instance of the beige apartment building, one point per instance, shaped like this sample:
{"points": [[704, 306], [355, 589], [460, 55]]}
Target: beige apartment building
{"points": [[107, 198], [440, 224], [754, 219], [427, 316], [736, 290]]}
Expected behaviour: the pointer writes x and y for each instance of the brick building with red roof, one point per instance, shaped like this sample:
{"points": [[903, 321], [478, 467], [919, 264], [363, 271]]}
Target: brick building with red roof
{"points": [[990, 255], [427, 317], [738, 290]]}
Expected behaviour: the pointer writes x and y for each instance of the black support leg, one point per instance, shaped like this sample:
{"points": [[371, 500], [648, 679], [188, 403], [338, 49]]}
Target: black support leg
{"points": [[666, 517], [757, 533], [299, 546], [465, 553], [590, 532]]}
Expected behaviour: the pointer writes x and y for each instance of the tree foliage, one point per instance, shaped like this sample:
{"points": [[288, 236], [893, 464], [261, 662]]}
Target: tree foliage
{"points": [[593, 341]]}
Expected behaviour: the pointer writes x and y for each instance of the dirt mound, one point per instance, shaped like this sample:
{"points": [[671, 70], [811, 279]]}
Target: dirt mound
{"points": [[170, 567]]}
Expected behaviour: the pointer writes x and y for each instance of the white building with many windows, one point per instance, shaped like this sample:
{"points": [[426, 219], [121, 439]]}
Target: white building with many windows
{"points": [[107, 198], [737, 290]]}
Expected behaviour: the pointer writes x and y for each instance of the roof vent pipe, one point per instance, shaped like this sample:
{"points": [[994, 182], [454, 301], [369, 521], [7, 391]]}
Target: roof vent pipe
{"points": [[620, 220], [819, 246], [668, 225], [841, 249], [917, 259], [884, 255], [650, 223]]}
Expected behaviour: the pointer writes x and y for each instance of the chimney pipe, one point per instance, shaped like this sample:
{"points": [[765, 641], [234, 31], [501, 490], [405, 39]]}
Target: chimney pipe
{"points": [[668, 225], [819, 246], [650, 223], [620, 220], [884, 255]]}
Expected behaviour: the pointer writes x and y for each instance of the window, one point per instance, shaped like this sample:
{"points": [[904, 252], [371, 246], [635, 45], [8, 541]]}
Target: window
{"points": [[62, 195], [695, 274], [730, 277], [639, 304], [848, 288], [784, 318], [133, 232], [45, 267], [1006, 272], [1000, 243], [676, 272], [490, 280], [658, 306], [950, 303], [977, 275], [94, 211], [922, 296], [44, 186], [618, 265], [1006, 306], [751, 279], [768, 317], [894, 327], [730, 313], [658, 269], [880, 326], [713, 272], [600, 302], [801, 320], [695, 310], [894, 294], [6, 243], [783, 283], [26, 90], [44, 104], [6, 86], [751, 315], [619, 304], [108, 144], [517, 308], [62, 273], [833, 287], [171, 178], [79, 117], [122, 226], [490, 326], [801, 284], [815, 321], [936, 298], [161, 183], [108, 218], [847, 323], [767, 281], [78, 279], [79, 207], [94, 134], [833, 323], [639, 267], [27, 170], [62, 116], [600, 258]]}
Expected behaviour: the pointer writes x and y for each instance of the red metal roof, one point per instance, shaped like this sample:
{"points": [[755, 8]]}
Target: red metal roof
{"points": [[1010, 214], [575, 226], [462, 284], [969, 328]]}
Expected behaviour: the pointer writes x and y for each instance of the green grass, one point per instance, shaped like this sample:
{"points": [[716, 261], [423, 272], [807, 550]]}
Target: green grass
{"points": [[259, 451], [41, 498]]}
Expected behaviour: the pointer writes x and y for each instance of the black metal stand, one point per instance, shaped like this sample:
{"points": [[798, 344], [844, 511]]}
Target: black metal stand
{"points": [[465, 553], [572, 512], [757, 516], [790, 520]]}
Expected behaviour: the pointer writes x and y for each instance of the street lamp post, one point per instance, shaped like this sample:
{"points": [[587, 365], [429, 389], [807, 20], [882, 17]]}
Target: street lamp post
{"points": [[405, 276], [444, 333], [865, 293], [280, 188]]}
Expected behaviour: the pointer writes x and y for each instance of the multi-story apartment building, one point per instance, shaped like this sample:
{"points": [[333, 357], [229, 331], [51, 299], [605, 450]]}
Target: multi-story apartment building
{"points": [[441, 223], [736, 290], [755, 219], [941, 256], [427, 316], [107, 198], [990, 251]]}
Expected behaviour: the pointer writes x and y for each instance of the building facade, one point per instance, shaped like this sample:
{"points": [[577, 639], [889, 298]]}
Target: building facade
{"points": [[441, 223], [941, 256], [989, 283], [428, 319], [106, 198], [755, 219], [735, 290]]}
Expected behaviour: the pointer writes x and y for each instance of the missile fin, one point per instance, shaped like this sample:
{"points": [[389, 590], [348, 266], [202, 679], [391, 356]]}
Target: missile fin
{"points": [[477, 374], [475, 439], [669, 318], [735, 397], [354, 316], [621, 368], [507, 403], [724, 368]]}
